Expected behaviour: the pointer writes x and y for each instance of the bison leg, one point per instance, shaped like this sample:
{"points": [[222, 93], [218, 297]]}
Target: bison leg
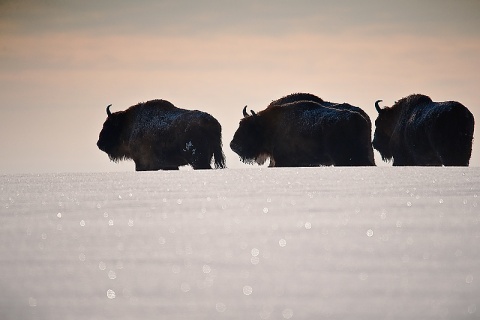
{"points": [[198, 155], [455, 160], [357, 156], [452, 137], [353, 161], [456, 154], [351, 154], [202, 167], [403, 160], [455, 151], [153, 166], [140, 167], [201, 162]]}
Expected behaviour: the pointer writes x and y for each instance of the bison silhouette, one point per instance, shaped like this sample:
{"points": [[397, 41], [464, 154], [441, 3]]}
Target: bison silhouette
{"points": [[416, 131], [298, 130], [156, 135]]}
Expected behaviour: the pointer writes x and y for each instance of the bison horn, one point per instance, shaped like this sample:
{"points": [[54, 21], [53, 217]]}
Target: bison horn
{"points": [[109, 113], [253, 113], [377, 106], [245, 114]]}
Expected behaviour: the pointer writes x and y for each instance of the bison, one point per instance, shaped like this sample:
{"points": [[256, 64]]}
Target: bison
{"points": [[156, 135], [416, 131], [294, 131]]}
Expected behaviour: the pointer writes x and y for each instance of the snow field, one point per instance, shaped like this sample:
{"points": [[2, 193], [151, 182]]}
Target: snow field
{"points": [[259, 243]]}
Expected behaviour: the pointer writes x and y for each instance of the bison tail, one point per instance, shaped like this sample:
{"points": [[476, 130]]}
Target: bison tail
{"points": [[219, 157]]}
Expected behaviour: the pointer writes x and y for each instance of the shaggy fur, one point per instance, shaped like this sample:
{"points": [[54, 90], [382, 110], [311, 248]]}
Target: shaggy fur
{"points": [[295, 132], [157, 135], [418, 131], [296, 97]]}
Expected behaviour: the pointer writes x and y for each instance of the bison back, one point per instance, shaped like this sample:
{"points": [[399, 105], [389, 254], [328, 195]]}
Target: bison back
{"points": [[296, 97]]}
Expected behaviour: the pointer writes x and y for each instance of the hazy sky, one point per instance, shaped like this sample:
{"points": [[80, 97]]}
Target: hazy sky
{"points": [[62, 62]]}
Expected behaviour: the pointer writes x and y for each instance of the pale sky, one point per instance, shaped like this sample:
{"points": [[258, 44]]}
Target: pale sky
{"points": [[63, 62]]}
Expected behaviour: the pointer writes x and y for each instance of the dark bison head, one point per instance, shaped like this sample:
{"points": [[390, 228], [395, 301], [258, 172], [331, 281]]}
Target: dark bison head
{"points": [[110, 139], [384, 126], [248, 141]]}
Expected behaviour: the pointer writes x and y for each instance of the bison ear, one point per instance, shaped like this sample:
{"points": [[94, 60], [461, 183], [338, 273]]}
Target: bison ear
{"points": [[109, 113], [245, 114], [379, 110]]}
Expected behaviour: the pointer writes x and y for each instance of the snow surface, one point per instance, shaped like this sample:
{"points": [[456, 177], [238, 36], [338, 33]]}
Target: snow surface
{"points": [[257, 243]]}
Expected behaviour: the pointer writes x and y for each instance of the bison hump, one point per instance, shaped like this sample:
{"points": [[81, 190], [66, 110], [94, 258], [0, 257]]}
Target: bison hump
{"points": [[412, 101], [158, 104], [296, 97]]}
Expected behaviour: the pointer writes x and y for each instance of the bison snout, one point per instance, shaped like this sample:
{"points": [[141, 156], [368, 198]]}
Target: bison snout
{"points": [[100, 145], [235, 147]]}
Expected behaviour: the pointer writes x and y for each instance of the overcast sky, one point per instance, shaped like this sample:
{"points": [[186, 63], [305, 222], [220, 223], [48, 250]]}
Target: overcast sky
{"points": [[63, 62]]}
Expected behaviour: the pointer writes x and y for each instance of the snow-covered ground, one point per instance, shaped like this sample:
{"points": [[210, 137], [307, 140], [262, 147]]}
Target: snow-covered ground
{"points": [[256, 243]]}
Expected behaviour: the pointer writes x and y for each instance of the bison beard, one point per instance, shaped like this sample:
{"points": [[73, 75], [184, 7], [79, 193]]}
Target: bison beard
{"points": [[418, 131], [156, 135], [304, 133]]}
